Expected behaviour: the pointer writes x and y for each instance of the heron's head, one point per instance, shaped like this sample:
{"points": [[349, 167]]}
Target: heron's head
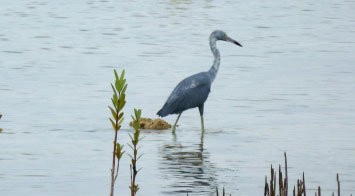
{"points": [[220, 35]]}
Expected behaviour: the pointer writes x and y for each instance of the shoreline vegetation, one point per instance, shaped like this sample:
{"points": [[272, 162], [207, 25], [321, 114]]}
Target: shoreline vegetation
{"points": [[298, 190], [118, 102], [270, 188]]}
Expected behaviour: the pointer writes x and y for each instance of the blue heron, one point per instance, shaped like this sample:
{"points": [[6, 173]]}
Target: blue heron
{"points": [[193, 91]]}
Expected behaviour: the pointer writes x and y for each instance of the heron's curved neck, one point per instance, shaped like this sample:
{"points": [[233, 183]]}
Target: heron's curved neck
{"points": [[217, 58]]}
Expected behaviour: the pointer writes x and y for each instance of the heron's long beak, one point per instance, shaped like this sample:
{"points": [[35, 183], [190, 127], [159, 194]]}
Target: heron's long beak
{"points": [[228, 39]]}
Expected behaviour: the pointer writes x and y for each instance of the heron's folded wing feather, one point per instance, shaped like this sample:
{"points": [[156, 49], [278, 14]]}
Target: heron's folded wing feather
{"points": [[189, 93]]}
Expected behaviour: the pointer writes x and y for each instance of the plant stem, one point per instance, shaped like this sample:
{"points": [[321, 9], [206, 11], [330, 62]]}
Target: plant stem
{"points": [[134, 170], [113, 178], [118, 166], [135, 140]]}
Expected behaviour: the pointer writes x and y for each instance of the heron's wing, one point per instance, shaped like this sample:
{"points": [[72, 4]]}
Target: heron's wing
{"points": [[185, 89], [189, 93]]}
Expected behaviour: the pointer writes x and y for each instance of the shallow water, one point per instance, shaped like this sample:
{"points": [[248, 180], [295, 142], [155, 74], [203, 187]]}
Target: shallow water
{"points": [[289, 89]]}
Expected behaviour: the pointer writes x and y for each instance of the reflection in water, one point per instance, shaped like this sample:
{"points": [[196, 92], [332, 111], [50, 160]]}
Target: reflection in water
{"points": [[188, 167]]}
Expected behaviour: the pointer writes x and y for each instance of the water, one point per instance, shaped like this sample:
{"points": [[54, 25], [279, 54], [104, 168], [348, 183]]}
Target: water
{"points": [[289, 89]]}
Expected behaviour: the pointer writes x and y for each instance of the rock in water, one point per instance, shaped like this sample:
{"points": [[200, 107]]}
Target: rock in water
{"points": [[157, 124]]}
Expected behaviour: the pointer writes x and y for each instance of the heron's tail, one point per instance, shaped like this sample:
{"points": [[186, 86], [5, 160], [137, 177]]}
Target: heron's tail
{"points": [[162, 112]]}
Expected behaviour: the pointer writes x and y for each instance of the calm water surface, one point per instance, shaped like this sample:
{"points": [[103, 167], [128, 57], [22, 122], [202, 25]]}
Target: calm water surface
{"points": [[291, 88]]}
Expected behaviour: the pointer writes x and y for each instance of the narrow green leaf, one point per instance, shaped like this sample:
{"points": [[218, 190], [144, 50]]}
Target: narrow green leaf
{"points": [[118, 147], [114, 90], [114, 114], [122, 97], [136, 188], [120, 122], [114, 103], [124, 88], [135, 125], [139, 157], [130, 156], [120, 85], [113, 124], [116, 74], [119, 152], [119, 156], [141, 138], [115, 100], [139, 114], [121, 105], [122, 74], [117, 85], [131, 139], [120, 116]]}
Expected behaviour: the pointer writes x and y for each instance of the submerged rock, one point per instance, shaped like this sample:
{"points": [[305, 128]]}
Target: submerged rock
{"points": [[157, 124]]}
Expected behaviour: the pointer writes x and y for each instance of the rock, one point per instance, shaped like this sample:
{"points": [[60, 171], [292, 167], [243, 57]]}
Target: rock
{"points": [[157, 124]]}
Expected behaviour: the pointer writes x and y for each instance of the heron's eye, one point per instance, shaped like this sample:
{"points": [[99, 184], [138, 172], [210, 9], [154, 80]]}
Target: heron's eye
{"points": [[225, 37]]}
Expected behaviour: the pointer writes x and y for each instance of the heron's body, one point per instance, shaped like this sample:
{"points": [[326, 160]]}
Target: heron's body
{"points": [[193, 91], [189, 93]]}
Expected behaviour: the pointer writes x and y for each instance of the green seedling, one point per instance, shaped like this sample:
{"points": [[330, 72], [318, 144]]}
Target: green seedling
{"points": [[118, 102], [135, 138]]}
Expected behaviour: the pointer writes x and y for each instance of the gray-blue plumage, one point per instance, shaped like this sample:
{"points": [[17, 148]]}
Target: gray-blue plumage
{"points": [[190, 93], [193, 91]]}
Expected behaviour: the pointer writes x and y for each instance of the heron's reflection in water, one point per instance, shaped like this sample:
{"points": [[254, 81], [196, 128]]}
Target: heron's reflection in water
{"points": [[188, 166]]}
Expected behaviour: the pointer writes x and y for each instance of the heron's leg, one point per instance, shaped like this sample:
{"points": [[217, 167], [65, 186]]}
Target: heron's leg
{"points": [[200, 108], [174, 127], [202, 124]]}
